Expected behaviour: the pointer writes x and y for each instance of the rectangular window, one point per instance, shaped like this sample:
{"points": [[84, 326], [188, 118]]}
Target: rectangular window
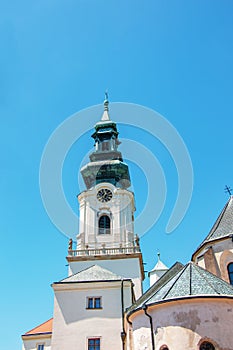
{"points": [[94, 303], [105, 146], [40, 347], [94, 344]]}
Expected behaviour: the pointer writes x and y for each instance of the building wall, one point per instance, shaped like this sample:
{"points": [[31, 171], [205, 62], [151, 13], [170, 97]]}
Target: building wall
{"points": [[120, 209], [31, 342], [182, 324], [215, 257], [126, 268], [74, 324]]}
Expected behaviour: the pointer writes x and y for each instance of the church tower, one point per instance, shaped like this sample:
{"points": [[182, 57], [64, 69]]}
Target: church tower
{"points": [[106, 229], [106, 269]]}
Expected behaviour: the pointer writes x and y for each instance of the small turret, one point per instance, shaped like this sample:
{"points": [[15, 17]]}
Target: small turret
{"points": [[158, 271]]}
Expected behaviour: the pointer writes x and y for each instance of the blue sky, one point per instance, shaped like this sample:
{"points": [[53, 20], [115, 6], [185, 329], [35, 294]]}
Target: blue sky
{"points": [[58, 57]]}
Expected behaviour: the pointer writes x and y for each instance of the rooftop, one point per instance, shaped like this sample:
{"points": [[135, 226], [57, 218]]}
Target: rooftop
{"points": [[93, 273], [223, 226], [44, 328], [189, 281], [159, 266]]}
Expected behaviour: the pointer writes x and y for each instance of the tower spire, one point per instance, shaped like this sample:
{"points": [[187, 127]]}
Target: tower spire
{"points": [[106, 162]]}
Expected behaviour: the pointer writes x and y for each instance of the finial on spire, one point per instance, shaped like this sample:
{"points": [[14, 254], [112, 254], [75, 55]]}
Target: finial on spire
{"points": [[106, 102], [228, 190], [105, 116], [106, 95], [158, 256]]}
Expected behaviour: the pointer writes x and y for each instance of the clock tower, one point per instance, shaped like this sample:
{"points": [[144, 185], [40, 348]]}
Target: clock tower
{"points": [[106, 229]]}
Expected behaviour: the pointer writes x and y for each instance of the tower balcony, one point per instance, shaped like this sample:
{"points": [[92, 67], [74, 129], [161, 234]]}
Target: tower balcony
{"points": [[97, 252]]}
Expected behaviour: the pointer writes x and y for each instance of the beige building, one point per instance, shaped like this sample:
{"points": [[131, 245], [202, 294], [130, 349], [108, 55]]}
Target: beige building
{"points": [[101, 305]]}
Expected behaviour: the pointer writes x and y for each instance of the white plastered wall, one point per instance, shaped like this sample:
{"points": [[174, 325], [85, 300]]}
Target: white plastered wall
{"points": [[120, 209], [126, 268], [31, 342], [73, 324], [182, 324]]}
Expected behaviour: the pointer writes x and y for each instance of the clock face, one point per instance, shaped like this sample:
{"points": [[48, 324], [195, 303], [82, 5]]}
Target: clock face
{"points": [[104, 195]]}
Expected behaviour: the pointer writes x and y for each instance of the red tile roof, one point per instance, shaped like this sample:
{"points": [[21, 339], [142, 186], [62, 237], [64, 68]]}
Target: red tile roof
{"points": [[45, 327]]}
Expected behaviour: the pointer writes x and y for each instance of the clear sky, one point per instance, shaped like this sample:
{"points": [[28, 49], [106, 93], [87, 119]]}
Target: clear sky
{"points": [[58, 57]]}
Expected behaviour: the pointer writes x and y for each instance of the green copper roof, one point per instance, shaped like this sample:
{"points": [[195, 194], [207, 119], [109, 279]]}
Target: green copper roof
{"points": [[106, 162]]}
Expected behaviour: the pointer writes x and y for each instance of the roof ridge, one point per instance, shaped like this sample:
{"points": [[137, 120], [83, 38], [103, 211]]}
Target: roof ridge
{"points": [[178, 277], [211, 236], [219, 219], [154, 288], [95, 273], [76, 273], [201, 272]]}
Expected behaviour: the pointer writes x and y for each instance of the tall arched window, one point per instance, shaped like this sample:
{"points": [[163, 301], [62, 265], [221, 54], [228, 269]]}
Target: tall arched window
{"points": [[104, 225], [230, 272], [206, 346]]}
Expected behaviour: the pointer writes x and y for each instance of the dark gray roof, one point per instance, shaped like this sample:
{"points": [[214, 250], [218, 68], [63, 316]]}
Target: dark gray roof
{"points": [[191, 280], [176, 268], [223, 226], [93, 273]]}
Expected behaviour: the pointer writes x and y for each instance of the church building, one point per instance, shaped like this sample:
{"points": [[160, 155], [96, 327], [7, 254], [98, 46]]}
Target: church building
{"points": [[101, 304]]}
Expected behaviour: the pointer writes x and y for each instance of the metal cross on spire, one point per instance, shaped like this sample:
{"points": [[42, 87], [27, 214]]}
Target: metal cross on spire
{"points": [[228, 190]]}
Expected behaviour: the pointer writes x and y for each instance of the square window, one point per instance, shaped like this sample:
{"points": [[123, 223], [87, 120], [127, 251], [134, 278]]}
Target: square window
{"points": [[94, 303], [94, 344], [40, 347]]}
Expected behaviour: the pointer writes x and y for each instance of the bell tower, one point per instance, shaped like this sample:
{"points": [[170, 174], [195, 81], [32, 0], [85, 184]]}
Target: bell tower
{"points": [[106, 228]]}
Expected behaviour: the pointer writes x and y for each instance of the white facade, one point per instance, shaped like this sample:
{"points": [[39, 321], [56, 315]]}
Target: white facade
{"points": [[127, 268], [120, 210], [74, 323], [105, 270], [33, 342]]}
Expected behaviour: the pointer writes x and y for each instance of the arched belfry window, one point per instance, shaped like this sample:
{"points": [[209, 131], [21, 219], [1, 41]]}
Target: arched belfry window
{"points": [[206, 346], [230, 272], [104, 225]]}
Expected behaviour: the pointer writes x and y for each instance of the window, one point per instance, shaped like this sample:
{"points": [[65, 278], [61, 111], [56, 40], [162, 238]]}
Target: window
{"points": [[104, 225], [105, 146], [164, 347], [94, 303], [40, 347], [94, 344], [207, 346], [230, 272]]}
